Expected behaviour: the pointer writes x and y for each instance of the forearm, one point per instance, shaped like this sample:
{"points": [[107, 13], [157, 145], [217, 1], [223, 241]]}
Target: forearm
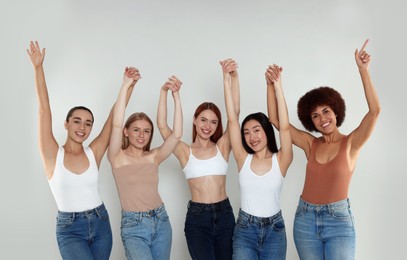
{"points": [[42, 92], [162, 111], [370, 92], [119, 108], [272, 105], [236, 93], [178, 119], [282, 112], [229, 100]]}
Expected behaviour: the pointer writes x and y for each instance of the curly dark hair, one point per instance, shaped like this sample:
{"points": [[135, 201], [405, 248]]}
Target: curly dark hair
{"points": [[317, 97]]}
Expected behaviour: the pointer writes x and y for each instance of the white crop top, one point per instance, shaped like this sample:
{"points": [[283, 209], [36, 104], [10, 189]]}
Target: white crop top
{"points": [[75, 192], [213, 166], [260, 195]]}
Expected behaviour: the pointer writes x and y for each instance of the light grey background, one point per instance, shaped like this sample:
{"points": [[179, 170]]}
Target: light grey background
{"points": [[90, 42]]}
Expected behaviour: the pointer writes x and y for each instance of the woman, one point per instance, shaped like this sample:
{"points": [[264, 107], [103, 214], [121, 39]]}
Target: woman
{"points": [[260, 230], [73, 171], [145, 229], [209, 220], [323, 226]]}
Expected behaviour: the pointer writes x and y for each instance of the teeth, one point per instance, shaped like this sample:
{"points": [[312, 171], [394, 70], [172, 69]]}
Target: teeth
{"points": [[325, 125]]}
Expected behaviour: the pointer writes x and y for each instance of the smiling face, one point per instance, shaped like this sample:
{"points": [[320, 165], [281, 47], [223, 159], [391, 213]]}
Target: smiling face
{"points": [[79, 125], [139, 133], [254, 135], [206, 124], [324, 119]]}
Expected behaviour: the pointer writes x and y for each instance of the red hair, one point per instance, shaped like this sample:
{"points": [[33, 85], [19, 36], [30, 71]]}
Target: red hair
{"points": [[209, 106]]}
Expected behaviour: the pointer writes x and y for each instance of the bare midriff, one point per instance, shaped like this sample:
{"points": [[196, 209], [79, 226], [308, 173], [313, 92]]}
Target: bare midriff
{"points": [[208, 189]]}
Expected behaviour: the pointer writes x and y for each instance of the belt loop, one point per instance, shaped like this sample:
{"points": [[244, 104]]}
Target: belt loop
{"points": [[97, 212], [73, 216]]}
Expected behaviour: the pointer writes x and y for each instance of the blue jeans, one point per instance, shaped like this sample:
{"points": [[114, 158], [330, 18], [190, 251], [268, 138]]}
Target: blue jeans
{"points": [[147, 235], [324, 231], [84, 235], [209, 230], [259, 238]]}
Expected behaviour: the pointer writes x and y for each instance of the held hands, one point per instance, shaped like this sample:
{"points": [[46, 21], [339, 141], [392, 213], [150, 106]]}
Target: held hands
{"points": [[362, 57], [229, 68], [131, 76], [173, 84], [273, 74], [36, 55]]}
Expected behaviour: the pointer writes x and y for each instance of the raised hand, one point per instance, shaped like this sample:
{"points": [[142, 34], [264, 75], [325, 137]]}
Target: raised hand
{"points": [[131, 75], [173, 84], [362, 57], [36, 55], [273, 74], [229, 66]]}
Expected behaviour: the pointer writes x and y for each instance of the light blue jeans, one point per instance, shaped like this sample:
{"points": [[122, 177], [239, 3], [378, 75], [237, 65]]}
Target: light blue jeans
{"points": [[259, 238], [147, 235], [84, 235], [324, 231]]}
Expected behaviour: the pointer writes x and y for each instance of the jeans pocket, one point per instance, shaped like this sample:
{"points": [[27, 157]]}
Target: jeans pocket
{"points": [[278, 224], [242, 221], [103, 215], [128, 222], [300, 211], [341, 213], [64, 222], [194, 211]]}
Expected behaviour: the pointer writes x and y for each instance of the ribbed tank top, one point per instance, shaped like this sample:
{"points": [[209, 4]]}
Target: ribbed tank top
{"points": [[75, 192], [327, 182], [260, 195], [137, 184]]}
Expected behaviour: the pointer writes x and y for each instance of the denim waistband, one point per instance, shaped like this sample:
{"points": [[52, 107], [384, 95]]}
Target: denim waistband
{"points": [[150, 213], [83, 214], [218, 206], [260, 220], [321, 207]]}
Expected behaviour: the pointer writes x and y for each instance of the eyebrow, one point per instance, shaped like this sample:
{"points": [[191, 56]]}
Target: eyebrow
{"points": [[78, 118]]}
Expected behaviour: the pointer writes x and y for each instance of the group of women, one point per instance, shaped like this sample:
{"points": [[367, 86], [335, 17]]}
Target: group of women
{"points": [[323, 225]]}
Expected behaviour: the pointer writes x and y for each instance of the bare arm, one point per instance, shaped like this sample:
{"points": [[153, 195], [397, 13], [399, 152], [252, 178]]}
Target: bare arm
{"points": [[47, 143], [172, 140], [285, 155], [362, 133], [130, 77], [300, 138], [233, 119]]}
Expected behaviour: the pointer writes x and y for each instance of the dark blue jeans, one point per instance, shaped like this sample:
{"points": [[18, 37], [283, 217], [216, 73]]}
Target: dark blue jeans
{"points": [[84, 235], [209, 230]]}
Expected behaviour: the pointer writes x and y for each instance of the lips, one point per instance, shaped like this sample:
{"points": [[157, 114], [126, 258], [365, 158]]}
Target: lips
{"points": [[80, 134]]}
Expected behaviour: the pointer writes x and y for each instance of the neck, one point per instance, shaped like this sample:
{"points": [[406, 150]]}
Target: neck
{"points": [[73, 147], [263, 154], [333, 137], [202, 143], [134, 152]]}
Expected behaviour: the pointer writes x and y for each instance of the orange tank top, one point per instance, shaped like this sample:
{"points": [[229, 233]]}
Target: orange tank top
{"points": [[327, 182]]}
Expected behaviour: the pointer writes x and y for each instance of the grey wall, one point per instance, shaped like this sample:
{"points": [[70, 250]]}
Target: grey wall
{"points": [[90, 42]]}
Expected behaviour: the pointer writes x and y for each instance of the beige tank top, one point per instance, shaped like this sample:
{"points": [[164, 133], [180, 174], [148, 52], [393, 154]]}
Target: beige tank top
{"points": [[137, 185]]}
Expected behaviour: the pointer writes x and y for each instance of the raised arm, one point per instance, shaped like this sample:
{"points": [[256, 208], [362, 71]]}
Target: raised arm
{"points": [[362, 133], [130, 78], [300, 138], [171, 137], [101, 142], [285, 154], [48, 144], [233, 118]]}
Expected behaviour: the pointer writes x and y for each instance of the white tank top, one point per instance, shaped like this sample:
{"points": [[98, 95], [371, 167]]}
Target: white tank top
{"points": [[213, 166], [260, 195], [75, 192]]}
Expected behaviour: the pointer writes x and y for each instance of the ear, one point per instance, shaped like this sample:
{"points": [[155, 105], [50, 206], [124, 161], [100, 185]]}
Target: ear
{"points": [[193, 121], [65, 124], [125, 132]]}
